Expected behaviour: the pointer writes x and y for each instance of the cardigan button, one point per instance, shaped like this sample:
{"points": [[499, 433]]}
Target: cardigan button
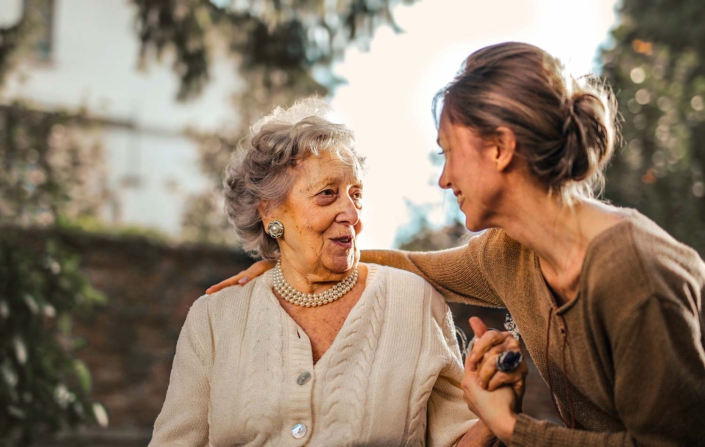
{"points": [[303, 377], [299, 431]]}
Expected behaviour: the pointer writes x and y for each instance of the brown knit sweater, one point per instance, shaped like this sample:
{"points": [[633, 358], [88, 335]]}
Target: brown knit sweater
{"points": [[632, 338]]}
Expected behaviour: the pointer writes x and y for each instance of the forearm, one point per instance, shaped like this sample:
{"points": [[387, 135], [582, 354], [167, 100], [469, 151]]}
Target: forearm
{"points": [[478, 436], [532, 432], [454, 273], [390, 258]]}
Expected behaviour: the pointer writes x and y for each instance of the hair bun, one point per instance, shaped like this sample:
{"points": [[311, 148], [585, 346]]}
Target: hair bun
{"points": [[588, 129]]}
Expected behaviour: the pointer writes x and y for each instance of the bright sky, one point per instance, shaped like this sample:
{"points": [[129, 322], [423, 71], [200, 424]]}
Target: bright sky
{"points": [[387, 100]]}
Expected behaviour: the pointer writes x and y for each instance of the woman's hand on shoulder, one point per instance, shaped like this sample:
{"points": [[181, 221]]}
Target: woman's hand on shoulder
{"points": [[245, 276]]}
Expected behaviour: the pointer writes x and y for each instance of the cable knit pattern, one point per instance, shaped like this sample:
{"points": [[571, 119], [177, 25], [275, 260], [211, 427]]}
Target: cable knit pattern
{"points": [[387, 379], [264, 370], [417, 426], [358, 345]]}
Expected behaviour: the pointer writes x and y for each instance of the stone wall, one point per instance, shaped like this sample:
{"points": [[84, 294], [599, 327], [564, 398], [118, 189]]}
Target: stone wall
{"points": [[131, 340]]}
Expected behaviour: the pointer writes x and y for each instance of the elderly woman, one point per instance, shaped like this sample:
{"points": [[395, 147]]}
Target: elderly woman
{"points": [[321, 350]]}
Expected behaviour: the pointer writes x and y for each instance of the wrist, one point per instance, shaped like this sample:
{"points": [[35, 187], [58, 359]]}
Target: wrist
{"points": [[504, 428]]}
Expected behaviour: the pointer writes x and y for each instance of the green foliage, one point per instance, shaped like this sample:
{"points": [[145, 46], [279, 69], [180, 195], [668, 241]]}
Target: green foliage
{"points": [[657, 68], [42, 386], [17, 38], [47, 174], [92, 224], [47, 170], [288, 37]]}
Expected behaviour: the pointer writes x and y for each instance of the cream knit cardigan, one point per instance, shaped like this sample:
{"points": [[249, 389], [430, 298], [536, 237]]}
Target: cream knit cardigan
{"points": [[391, 376]]}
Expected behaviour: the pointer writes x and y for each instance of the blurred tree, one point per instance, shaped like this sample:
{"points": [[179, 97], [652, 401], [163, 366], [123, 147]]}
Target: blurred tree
{"points": [[657, 69], [20, 38], [280, 41], [43, 177], [419, 234], [49, 171], [285, 50], [430, 239]]}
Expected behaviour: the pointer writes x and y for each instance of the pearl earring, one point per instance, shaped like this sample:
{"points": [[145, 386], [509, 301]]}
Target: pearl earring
{"points": [[275, 229]]}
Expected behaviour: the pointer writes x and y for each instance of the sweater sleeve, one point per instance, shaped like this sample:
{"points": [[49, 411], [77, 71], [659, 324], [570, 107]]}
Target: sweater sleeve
{"points": [[456, 273], [529, 432], [448, 415], [183, 421], [659, 384]]}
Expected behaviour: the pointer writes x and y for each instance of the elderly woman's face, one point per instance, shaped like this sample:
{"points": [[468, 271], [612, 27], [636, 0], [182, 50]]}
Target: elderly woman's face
{"points": [[321, 216]]}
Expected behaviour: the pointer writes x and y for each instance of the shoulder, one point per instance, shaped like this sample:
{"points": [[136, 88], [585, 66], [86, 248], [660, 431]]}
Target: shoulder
{"points": [[223, 307], [502, 256], [410, 289], [394, 274], [226, 297], [395, 280], [637, 259]]}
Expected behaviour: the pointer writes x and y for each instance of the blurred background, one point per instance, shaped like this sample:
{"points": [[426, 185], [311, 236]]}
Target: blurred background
{"points": [[117, 118]]}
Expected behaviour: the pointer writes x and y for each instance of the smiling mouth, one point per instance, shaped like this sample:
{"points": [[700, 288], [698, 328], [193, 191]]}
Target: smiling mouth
{"points": [[343, 241]]}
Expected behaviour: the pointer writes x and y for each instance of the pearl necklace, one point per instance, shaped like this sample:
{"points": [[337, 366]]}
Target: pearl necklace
{"points": [[311, 300]]}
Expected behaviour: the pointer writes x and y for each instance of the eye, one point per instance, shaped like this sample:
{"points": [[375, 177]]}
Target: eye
{"points": [[357, 195], [327, 192]]}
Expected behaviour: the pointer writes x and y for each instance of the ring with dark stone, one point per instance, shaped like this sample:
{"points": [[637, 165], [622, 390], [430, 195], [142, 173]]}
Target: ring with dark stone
{"points": [[509, 361]]}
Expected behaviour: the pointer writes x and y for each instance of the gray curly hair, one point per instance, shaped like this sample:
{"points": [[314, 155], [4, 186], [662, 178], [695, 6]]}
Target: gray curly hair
{"points": [[261, 168]]}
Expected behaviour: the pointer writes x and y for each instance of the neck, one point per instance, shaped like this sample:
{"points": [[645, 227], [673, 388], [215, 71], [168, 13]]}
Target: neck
{"points": [[554, 232], [311, 281], [558, 234]]}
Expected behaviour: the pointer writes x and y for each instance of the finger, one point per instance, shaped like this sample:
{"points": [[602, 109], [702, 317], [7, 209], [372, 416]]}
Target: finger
{"points": [[489, 359], [486, 370], [478, 326], [484, 344], [509, 344], [519, 388], [259, 268], [470, 368], [223, 284], [243, 277], [489, 362], [500, 379]]}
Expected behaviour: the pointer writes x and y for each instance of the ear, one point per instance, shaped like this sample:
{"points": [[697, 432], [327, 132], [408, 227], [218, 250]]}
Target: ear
{"points": [[264, 211], [506, 143]]}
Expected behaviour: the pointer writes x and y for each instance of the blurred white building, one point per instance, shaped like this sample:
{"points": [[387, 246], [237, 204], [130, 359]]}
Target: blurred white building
{"points": [[87, 57], [90, 58]]}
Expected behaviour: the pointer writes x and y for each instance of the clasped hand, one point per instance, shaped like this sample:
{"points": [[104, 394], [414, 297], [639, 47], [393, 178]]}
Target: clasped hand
{"points": [[494, 396]]}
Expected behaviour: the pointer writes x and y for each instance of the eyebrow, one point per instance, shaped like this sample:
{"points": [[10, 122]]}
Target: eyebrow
{"points": [[327, 181]]}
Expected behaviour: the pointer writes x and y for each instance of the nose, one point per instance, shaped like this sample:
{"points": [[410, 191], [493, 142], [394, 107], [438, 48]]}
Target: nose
{"points": [[443, 181], [349, 212]]}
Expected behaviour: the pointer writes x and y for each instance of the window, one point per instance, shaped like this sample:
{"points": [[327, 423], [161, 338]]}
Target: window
{"points": [[42, 12]]}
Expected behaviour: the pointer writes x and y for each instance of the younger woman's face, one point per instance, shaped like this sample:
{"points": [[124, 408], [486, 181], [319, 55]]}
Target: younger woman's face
{"points": [[470, 172]]}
